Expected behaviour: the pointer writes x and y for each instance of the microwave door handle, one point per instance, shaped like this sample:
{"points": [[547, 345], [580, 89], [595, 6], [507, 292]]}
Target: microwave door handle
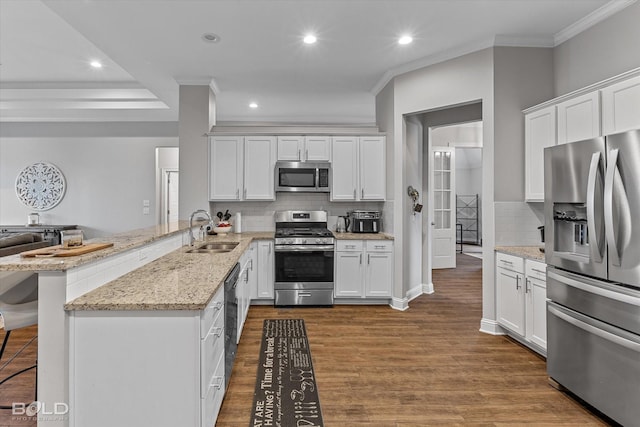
{"points": [[614, 255], [594, 169], [318, 178]]}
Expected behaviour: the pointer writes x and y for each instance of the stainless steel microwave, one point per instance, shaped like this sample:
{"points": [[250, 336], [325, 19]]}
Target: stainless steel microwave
{"points": [[310, 177]]}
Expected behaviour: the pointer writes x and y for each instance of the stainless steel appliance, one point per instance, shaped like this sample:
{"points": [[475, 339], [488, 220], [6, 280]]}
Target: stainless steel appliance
{"points": [[303, 259], [365, 221], [303, 177], [230, 321], [592, 247]]}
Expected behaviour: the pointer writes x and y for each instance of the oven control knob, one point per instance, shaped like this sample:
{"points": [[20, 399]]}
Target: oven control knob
{"points": [[319, 241], [304, 241]]}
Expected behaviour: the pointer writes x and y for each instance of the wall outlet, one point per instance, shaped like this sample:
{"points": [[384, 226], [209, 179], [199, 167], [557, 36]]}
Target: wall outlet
{"points": [[146, 204], [145, 210]]}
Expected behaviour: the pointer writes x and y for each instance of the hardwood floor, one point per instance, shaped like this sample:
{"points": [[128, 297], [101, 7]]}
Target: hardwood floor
{"points": [[429, 365], [376, 366], [21, 387]]}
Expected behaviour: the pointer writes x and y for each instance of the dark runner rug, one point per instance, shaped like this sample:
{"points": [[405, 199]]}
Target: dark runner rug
{"points": [[286, 394]]}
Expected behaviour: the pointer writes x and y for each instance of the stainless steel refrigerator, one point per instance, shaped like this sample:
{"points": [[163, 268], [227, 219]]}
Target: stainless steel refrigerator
{"points": [[592, 249]]}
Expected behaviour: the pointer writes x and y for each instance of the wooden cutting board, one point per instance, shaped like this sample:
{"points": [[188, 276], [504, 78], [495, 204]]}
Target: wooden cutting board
{"points": [[59, 251]]}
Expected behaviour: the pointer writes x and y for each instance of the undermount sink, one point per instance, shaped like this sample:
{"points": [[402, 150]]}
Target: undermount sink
{"points": [[214, 248]]}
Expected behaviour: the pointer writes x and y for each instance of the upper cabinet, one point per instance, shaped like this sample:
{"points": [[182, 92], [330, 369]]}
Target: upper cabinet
{"points": [[304, 148], [579, 118], [358, 168], [621, 106], [241, 168], [604, 108], [540, 132]]}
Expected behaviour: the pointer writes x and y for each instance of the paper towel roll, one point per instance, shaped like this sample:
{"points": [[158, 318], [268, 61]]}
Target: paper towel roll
{"points": [[238, 224]]}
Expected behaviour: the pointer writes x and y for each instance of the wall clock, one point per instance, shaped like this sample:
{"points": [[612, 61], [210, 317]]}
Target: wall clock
{"points": [[40, 186]]}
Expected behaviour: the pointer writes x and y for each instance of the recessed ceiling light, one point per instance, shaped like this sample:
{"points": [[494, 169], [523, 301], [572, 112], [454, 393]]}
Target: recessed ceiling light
{"points": [[211, 38], [405, 40], [310, 39], [96, 64], [253, 105]]}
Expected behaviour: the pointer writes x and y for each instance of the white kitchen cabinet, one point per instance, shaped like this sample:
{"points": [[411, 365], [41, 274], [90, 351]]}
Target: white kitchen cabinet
{"points": [[521, 295], [364, 269], [359, 168], [226, 165], [247, 281], [579, 118], [241, 168], [265, 270], [536, 300], [621, 106], [159, 359], [540, 132], [510, 293], [304, 148]]}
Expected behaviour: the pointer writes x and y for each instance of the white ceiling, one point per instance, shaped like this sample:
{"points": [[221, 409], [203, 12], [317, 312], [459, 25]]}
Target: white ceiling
{"points": [[150, 47]]}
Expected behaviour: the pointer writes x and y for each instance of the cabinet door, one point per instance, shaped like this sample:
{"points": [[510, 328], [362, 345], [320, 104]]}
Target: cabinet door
{"points": [[290, 148], [317, 148], [510, 300], [540, 132], [579, 118], [372, 168], [259, 168], [344, 154], [265, 270], [225, 167], [349, 274], [379, 277], [620, 106], [536, 330]]}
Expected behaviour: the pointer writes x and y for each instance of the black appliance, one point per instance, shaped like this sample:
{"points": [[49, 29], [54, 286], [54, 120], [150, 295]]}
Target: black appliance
{"points": [[230, 321], [365, 221], [304, 259], [309, 177]]}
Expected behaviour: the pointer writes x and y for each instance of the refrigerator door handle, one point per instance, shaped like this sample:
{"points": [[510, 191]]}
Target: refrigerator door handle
{"points": [[596, 248], [614, 255], [606, 335]]}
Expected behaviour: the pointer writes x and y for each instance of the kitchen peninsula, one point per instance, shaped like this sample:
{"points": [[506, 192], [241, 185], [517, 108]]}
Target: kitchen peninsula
{"points": [[145, 272]]}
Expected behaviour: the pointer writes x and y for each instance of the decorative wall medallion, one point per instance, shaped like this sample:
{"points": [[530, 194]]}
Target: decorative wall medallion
{"points": [[40, 186]]}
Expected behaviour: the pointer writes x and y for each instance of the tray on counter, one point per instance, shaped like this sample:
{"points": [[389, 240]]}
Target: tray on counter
{"points": [[59, 251]]}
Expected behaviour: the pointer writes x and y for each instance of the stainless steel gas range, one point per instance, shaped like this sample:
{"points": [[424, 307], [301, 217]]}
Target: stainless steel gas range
{"points": [[303, 259]]}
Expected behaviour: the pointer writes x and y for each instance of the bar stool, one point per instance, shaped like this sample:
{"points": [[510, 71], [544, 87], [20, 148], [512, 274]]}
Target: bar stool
{"points": [[18, 307]]}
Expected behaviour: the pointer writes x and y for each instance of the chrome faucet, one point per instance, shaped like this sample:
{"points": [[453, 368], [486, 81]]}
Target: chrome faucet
{"points": [[192, 238]]}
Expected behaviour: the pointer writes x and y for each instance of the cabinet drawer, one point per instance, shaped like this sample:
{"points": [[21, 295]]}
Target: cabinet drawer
{"points": [[211, 348], [510, 262], [211, 312], [379, 245], [212, 400], [536, 269], [349, 245]]}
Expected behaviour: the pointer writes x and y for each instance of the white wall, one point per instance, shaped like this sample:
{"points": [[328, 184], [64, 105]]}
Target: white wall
{"points": [[413, 259], [107, 177], [602, 51], [385, 121]]}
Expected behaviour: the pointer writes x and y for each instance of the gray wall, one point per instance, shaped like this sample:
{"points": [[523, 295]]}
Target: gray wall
{"points": [[385, 121], [197, 115], [107, 177], [604, 50], [523, 77]]}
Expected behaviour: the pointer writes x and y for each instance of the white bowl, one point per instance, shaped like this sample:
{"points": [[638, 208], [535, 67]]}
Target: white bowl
{"points": [[222, 230]]}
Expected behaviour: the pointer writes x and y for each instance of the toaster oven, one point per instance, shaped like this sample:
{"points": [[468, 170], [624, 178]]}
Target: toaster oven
{"points": [[365, 221]]}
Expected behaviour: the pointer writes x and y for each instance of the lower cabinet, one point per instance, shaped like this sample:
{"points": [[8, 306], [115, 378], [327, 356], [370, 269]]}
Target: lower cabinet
{"points": [[521, 296], [265, 270], [167, 367], [364, 269]]}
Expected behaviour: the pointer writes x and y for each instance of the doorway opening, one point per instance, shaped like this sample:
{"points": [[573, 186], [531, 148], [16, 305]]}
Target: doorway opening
{"points": [[167, 184]]}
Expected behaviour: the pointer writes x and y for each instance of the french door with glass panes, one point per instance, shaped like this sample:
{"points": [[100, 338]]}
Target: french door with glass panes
{"points": [[443, 243]]}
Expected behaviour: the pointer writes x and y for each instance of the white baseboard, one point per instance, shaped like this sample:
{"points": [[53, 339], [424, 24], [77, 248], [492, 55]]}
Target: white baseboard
{"points": [[427, 288], [401, 304], [414, 292], [491, 327]]}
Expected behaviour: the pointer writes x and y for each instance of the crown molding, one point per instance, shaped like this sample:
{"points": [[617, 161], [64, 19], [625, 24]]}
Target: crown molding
{"points": [[595, 17], [523, 41]]}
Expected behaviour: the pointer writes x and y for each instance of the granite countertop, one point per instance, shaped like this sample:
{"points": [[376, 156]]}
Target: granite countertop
{"points": [[176, 281], [121, 242], [529, 252], [362, 236]]}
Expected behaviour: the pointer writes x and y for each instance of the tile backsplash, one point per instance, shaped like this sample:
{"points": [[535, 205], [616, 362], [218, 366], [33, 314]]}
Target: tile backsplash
{"points": [[258, 215], [517, 223]]}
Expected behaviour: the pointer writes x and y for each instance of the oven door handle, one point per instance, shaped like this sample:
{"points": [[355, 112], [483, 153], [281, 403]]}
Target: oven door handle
{"points": [[303, 248]]}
